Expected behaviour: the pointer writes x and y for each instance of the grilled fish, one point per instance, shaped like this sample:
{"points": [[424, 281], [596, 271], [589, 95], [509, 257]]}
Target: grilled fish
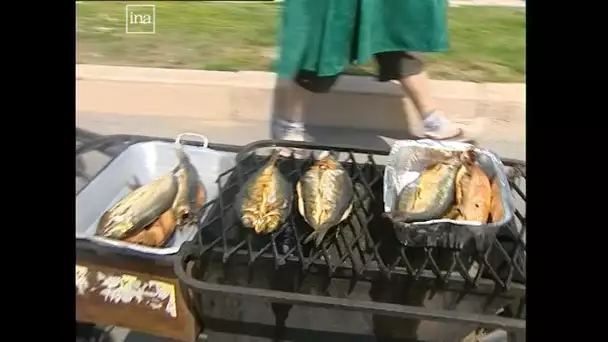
{"points": [[264, 201], [139, 208], [497, 211], [453, 213], [473, 193], [432, 195], [418, 155], [156, 234], [187, 201], [325, 194]]}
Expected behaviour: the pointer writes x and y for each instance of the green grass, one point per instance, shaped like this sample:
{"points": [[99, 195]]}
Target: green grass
{"points": [[487, 43]]}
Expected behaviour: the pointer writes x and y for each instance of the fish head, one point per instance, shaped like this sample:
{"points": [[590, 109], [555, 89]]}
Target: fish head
{"points": [[115, 226]]}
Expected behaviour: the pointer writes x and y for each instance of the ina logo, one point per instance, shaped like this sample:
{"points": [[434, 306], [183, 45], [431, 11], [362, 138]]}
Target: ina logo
{"points": [[140, 19]]}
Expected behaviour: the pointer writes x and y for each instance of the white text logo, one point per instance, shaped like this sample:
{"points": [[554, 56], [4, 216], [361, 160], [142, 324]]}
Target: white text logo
{"points": [[140, 19]]}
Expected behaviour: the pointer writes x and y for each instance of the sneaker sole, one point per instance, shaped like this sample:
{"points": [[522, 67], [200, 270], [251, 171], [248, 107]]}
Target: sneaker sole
{"points": [[470, 130]]}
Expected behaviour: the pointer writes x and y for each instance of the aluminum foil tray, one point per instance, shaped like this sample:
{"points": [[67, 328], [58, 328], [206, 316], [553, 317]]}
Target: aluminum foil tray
{"points": [[141, 163], [401, 170]]}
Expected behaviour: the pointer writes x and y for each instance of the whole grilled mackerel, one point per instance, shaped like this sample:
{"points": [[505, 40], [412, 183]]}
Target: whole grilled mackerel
{"points": [[139, 208], [186, 204], [433, 194], [264, 201], [325, 194]]}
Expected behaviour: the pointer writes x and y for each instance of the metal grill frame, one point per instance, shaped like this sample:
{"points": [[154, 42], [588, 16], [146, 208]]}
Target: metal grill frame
{"points": [[497, 286], [497, 283]]}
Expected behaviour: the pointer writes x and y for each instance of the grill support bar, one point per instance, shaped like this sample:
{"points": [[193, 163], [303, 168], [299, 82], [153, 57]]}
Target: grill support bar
{"points": [[396, 310], [485, 287]]}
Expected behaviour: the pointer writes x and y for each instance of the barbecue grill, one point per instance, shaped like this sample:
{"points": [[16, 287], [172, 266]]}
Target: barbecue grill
{"points": [[363, 249], [425, 293]]}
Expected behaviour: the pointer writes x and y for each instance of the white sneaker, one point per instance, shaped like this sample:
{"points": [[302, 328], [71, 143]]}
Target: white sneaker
{"points": [[292, 131], [438, 127]]}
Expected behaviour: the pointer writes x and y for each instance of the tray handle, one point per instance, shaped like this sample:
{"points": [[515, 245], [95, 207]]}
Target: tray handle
{"points": [[201, 137]]}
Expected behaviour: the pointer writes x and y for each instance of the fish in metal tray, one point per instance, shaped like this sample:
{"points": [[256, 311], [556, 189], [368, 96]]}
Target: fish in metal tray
{"points": [[139, 208], [264, 201], [325, 194], [190, 195], [420, 156], [497, 210], [473, 194], [433, 193], [156, 234]]}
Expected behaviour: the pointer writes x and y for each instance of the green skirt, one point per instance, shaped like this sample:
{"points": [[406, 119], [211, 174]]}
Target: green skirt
{"points": [[325, 36]]}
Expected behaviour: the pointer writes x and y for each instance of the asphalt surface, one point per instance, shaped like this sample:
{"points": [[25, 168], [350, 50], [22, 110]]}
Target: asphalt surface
{"points": [[246, 132]]}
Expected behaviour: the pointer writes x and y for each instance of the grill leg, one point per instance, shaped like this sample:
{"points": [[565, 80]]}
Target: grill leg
{"points": [[281, 312], [284, 280]]}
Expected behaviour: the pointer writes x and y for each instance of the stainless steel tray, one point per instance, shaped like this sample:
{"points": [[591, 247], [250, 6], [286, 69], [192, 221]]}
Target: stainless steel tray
{"points": [[143, 162]]}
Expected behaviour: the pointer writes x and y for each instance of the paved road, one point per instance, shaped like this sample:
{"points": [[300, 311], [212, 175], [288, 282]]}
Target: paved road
{"points": [[247, 131]]}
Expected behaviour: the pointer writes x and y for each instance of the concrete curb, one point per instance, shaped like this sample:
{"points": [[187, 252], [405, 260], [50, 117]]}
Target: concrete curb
{"points": [[355, 102], [506, 92]]}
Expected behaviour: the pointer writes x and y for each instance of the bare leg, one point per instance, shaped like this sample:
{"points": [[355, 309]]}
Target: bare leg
{"points": [[436, 125], [417, 88], [290, 101], [408, 69]]}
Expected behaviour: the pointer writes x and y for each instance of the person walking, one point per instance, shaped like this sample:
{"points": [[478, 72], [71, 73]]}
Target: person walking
{"points": [[320, 38]]}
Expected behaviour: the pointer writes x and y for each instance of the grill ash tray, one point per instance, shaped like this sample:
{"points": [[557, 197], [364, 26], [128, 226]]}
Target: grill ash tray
{"points": [[362, 247]]}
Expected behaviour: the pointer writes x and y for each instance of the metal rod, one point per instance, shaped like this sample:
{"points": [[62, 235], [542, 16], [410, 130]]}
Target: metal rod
{"points": [[484, 286], [396, 310]]}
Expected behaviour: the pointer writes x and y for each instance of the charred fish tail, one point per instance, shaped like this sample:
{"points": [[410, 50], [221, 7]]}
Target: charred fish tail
{"points": [[181, 154], [182, 159], [274, 157]]}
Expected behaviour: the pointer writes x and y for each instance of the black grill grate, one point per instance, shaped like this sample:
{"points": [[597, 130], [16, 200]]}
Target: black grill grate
{"points": [[364, 246]]}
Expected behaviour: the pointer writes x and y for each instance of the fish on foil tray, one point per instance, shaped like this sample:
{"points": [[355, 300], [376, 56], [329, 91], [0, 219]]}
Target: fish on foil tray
{"points": [[473, 194], [151, 213], [451, 185]]}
